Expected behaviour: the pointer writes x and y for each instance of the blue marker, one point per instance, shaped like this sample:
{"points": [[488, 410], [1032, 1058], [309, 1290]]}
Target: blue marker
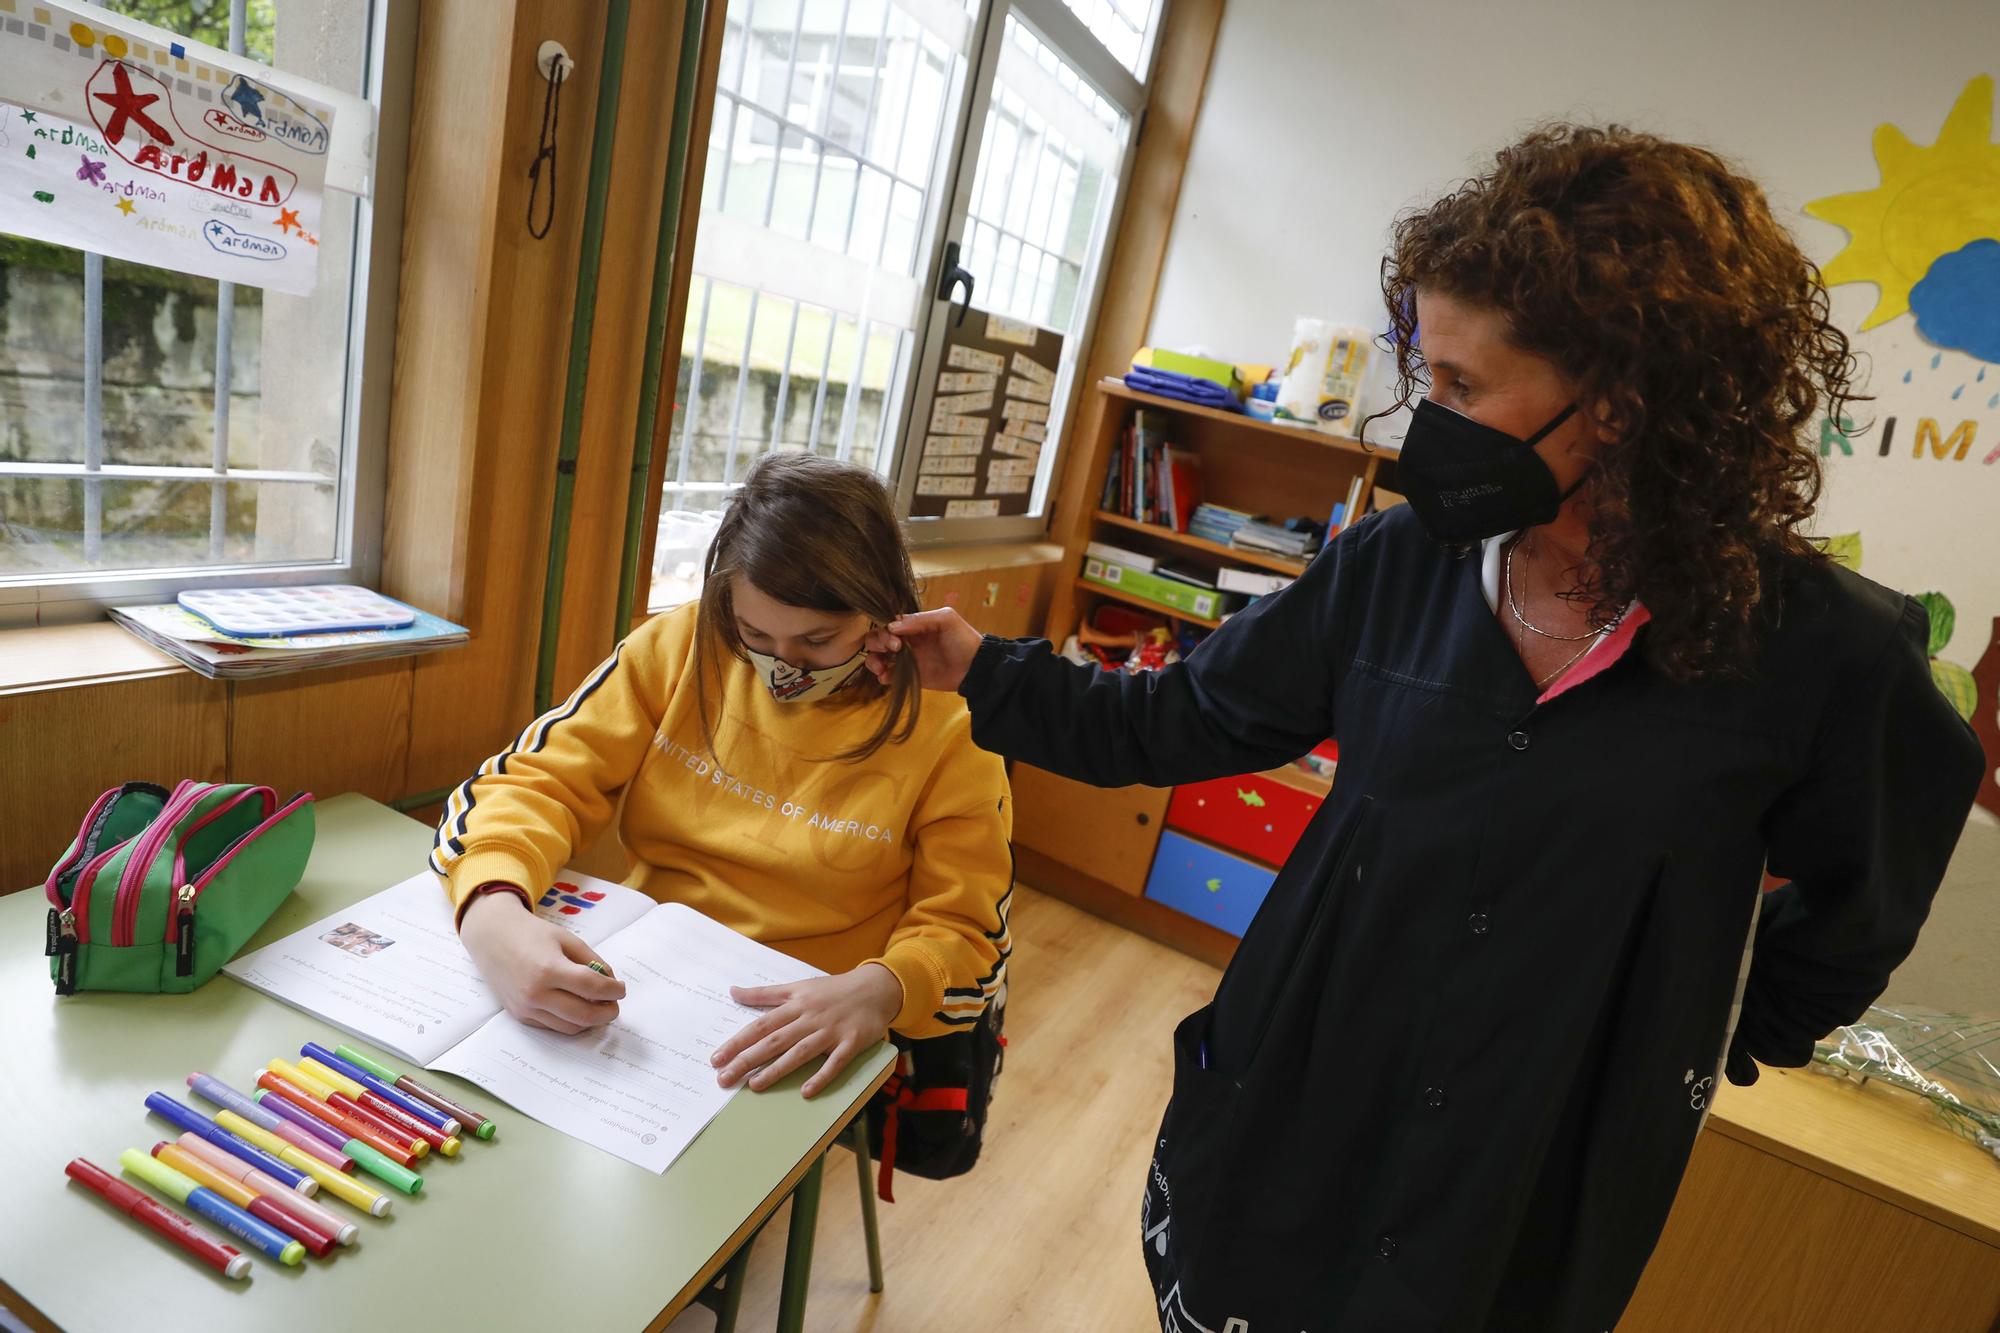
{"points": [[187, 1118], [444, 1124], [206, 1203]]}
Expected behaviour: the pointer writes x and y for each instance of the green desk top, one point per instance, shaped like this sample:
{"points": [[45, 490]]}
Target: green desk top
{"points": [[532, 1230]]}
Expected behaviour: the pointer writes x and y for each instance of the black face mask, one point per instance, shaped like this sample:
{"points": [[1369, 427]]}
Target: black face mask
{"points": [[1469, 481]]}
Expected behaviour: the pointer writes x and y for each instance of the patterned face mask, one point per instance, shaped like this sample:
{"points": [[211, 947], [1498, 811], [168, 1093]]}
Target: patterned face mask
{"points": [[790, 684]]}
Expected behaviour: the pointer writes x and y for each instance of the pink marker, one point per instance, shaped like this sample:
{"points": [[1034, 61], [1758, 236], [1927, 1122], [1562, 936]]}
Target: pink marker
{"points": [[286, 1200]]}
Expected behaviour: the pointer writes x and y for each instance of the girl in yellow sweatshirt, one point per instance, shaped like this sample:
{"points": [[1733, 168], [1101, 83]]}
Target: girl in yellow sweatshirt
{"points": [[770, 782]]}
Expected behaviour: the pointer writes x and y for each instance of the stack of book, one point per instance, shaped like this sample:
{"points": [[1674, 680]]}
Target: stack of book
{"points": [[1257, 535], [1218, 523], [183, 635]]}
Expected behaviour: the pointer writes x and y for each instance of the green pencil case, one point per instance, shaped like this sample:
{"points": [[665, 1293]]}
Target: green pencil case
{"points": [[161, 888]]}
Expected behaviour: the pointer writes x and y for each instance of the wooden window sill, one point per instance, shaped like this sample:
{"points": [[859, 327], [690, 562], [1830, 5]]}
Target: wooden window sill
{"points": [[99, 652]]}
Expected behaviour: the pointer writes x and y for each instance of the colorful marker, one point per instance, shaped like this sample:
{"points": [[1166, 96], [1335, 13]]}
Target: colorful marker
{"points": [[347, 1106], [365, 1197], [212, 1207], [482, 1127], [318, 1242], [298, 1205], [214, 1090], [134, 1203], [329, 1114], [218, 1132], [384, 1110], [366, 1156], [394, 1096]]}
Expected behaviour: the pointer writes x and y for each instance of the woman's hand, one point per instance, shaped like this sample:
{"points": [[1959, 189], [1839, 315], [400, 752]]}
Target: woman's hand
{"points": [[838, 1017], [941, 642], [540, 971]]}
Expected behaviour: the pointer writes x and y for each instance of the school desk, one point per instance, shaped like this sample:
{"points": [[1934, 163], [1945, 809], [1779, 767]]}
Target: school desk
{"points": [[530, 1230]]}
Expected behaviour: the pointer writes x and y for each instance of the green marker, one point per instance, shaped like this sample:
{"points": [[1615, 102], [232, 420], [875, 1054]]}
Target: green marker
{"points": [[393, 1174], [212, 1207], [482, 1126]]}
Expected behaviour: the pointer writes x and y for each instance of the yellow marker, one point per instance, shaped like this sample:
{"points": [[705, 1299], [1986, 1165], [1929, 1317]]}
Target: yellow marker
{"points": [[333, 1078], [285, 1069], [371, 1201]]}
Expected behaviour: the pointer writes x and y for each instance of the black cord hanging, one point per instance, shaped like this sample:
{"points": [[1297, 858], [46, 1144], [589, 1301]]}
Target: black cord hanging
{"points": [[546, 152]]}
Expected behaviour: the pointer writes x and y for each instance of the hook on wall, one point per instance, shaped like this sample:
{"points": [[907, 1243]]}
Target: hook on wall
{"points": [[556, 65]]}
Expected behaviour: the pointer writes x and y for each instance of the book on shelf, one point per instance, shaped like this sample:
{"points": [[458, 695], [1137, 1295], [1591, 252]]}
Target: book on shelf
{"points": [[1149, 480], [1195, 576], [1118, 555], [1254, 583], [1168, 594], [1272, 539]]}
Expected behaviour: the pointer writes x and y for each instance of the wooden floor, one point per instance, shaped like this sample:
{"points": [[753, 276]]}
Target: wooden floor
{"points": [[1043, 1234]]}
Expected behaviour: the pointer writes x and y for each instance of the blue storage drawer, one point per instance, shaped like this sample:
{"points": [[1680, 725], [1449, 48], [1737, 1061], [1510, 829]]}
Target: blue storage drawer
{"points": [[1209, 885]]}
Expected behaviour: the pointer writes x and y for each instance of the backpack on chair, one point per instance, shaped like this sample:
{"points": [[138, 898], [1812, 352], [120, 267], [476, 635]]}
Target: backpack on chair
{"points": [[930, 1117]]}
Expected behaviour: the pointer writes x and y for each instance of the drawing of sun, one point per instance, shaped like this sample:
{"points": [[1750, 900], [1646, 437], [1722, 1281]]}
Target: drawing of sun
{"points": [[1932, 227]]}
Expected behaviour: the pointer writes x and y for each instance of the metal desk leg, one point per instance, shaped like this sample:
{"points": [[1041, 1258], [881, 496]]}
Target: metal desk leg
{"points": [[799, 1250], [857, 1141], [733, 1276]]}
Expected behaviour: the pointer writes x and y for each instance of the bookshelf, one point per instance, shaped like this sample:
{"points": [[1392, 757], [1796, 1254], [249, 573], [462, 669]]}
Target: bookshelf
{"points": [[1098, 848], [1258, 466]]}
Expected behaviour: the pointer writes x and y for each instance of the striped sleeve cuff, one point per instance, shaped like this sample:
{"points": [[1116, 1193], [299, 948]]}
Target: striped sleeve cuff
{"points": [[922, 978]]}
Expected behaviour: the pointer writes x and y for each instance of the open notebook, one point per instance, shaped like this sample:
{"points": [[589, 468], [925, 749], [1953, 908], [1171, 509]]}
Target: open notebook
{"points": [[390, 969]]}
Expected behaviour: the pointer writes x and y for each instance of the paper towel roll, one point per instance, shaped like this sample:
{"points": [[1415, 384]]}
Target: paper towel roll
{"points": [[1305, 369]]}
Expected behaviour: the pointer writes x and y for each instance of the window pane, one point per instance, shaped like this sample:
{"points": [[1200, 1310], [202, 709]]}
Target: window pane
{"points": [[156, 356], [820, 202], [1049, 154], [1124, 26]]}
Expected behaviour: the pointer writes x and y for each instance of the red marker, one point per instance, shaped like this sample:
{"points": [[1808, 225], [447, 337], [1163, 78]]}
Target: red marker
{"points": [[224, 1259], [326, 1114]]}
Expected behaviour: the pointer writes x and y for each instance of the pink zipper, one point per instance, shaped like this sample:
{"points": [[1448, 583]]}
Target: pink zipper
{"points": [[175, 886], [269, 797], [125, 906], [180, 921], [82, 838]]}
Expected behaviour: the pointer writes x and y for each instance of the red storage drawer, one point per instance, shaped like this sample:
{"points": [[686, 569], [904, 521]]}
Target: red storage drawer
{"points": [[1255, 814]]}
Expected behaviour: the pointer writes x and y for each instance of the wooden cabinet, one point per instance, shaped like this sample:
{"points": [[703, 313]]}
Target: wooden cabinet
{"points": [[1106, 833], [1815, 1202]]}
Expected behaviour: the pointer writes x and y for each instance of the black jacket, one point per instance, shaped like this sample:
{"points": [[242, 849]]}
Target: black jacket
{"points": [[1454, 1073]]}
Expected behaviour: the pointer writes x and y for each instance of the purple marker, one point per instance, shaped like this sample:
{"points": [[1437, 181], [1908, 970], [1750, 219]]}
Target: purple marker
{"points": [[292, 1115], [214, 1090], [193, 1121]]}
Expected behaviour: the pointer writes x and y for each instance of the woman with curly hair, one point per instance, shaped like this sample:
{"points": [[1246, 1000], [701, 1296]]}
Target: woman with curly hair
{"points": [[1588, 685]]}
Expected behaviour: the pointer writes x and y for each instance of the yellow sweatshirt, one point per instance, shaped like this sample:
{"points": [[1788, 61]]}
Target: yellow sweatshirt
{"points": [[900, 859]]}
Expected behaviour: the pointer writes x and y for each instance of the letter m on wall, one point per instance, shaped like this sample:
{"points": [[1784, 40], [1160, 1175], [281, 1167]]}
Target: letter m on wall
{"points": [[1927, 433]]}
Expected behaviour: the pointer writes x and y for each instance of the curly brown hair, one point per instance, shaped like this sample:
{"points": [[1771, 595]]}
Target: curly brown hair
{"points": [[1653, 275]]}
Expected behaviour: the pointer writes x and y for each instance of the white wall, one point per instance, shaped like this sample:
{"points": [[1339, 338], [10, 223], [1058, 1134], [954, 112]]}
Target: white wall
{"points": [[1324, 118]]}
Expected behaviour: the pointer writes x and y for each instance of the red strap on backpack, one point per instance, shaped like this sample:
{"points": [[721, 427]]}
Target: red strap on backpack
{"points": [[901, 1099]]}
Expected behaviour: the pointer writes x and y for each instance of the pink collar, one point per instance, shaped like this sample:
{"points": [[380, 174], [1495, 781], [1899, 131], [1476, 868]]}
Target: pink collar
{"points": [[1602, 654]]}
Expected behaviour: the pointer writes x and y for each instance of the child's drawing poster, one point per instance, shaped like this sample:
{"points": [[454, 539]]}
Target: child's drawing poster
{"points": [[115, 143]]}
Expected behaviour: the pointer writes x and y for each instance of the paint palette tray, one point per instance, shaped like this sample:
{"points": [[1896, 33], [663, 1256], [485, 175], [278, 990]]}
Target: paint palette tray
{"points": [[327, 608]]}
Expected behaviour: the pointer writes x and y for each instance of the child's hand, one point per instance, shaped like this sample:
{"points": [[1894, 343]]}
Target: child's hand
{"points": [[540, 971], [941, 642], [838, 1017]]}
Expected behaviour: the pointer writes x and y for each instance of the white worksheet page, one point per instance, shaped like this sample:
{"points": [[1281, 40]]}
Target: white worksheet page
{"points": [[390, 969], [642, 1088]]}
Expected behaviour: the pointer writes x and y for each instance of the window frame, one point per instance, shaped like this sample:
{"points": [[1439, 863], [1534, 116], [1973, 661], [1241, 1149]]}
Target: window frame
{"points": [[1057, 26], [370, 358]]}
